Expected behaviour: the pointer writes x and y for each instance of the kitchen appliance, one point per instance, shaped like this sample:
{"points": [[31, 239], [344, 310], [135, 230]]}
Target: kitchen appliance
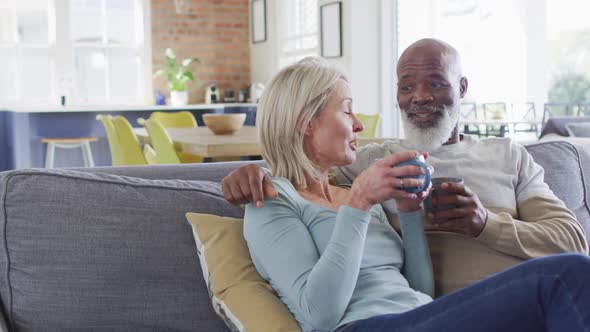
{"points": [[229, 96], [212, 94]]}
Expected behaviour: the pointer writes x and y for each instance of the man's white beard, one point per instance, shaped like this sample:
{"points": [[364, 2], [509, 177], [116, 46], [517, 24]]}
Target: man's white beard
{"points": [[432, 138]]}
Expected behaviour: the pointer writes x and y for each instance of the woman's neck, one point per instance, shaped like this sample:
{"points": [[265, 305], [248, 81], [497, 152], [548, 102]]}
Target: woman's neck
{"points": [[319, 188]]}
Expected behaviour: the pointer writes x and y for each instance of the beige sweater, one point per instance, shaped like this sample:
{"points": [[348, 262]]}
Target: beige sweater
{"points": [[525, 220]]}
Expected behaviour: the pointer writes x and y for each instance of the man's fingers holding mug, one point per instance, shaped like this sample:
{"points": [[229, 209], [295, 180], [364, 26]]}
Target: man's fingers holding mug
{"points": [[456, 188], [444, 216], [454, 200]]}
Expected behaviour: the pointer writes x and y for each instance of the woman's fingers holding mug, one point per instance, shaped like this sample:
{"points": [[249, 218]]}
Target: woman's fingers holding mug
{"points": [[407, 170], [396, 158], [408, 183]]}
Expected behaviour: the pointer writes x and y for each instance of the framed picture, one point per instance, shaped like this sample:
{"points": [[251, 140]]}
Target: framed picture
{"points": [[331, 29], [258, 14]]}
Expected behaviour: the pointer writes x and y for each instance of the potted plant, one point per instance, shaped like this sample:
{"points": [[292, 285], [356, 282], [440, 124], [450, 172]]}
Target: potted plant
{"points": [[177, 76]]}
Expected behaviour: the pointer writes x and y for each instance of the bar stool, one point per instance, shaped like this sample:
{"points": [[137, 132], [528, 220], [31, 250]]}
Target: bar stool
{"points": [[69, 143]]}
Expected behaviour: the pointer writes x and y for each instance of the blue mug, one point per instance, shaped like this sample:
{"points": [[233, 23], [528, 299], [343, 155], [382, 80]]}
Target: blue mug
{"points": [[418, 161]]}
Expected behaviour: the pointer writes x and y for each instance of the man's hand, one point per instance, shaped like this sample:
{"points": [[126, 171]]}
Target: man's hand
{"points": [[248, 183], [468, 217]]}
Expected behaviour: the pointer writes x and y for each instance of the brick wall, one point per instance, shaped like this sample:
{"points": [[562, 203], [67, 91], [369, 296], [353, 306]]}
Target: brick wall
{"points": [[215, 31]]}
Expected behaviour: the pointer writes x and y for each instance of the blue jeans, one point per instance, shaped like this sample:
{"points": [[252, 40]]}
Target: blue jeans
{"points": [[544, 294]]}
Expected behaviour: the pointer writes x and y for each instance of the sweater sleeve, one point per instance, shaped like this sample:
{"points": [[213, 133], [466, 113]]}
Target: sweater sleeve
{"points": [[318, 286], [365, 156], [544, 226], [417, 262]]}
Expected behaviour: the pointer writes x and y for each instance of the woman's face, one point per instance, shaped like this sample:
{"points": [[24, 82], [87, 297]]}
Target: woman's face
{"points": [[330, 139]]}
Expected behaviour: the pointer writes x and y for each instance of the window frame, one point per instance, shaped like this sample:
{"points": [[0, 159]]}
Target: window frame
{"points": [[61, 49], [283, 37]]}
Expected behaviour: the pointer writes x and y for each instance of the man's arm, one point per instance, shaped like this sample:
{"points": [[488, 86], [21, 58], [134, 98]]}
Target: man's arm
{"points": [[248, 183], [545, 225], [365, 156]]}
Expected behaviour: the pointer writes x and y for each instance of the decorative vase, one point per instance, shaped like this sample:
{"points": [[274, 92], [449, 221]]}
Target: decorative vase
{"points": [[179, 98]]}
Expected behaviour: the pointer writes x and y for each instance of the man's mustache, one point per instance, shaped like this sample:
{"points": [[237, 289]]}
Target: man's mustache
{"points": [[423, 109]]}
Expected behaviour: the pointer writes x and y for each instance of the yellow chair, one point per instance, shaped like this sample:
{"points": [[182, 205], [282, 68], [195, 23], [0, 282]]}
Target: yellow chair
{"points": [[165, 153], [150, 155], [130, 148], [370, 123], [184, 119], [114, 146]]}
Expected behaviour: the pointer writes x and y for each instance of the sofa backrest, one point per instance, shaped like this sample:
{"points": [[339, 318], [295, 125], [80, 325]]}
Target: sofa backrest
{"points": [[567, 172], [94, 251], [100, 250]]}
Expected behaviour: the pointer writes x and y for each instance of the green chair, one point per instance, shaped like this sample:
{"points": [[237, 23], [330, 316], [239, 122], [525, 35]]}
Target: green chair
{"points": [[165, 153], [184, 119], [130, 148], [370, 123]]}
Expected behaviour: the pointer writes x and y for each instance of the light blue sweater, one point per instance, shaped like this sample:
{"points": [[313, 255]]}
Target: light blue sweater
{"points": [[331, 268]]}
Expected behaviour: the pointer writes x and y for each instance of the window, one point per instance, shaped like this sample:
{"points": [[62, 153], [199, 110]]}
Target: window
{"points": [[515, 51], [299, 32], [26, 45], [90, 51]]}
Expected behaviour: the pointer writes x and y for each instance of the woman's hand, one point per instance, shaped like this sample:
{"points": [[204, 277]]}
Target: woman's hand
{"points": [[381, 181], [413, 204]]}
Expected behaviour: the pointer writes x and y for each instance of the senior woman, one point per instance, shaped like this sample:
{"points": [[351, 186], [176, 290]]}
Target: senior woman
{"points": [[333, 258]]}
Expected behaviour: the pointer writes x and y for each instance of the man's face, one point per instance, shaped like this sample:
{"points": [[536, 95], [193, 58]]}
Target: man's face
{"points": [[429, 93], [427, 84]]}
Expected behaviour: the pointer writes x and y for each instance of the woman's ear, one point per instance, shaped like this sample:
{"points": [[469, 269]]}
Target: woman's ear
{"points": [[309, 129]]}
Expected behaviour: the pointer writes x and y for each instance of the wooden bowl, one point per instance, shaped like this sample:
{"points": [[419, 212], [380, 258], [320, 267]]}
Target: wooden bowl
{"points": [[224, 124]]}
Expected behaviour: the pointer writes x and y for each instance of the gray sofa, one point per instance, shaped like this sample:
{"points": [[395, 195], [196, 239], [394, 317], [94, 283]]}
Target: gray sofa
{"points": [[110, 249]]}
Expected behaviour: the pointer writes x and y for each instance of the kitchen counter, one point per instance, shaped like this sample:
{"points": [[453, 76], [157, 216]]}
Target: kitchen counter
{"points": [[21, 129], [119, 108]]}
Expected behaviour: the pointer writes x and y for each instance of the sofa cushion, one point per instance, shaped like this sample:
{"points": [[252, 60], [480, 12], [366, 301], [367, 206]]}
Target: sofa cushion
{"points": [[244, 300], [103, 252], [567, 171], [578, 129]]}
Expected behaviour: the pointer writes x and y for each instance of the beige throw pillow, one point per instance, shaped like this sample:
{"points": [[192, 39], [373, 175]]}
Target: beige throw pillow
{"points": [[244, 300]]}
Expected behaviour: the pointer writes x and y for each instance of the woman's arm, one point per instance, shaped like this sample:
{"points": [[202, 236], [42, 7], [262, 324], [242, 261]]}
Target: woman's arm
{"points": [[417, 262], [318, 286]]}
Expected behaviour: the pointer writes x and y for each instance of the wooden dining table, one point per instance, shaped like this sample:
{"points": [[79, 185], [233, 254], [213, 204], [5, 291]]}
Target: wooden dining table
{"points": [[201, 141]]}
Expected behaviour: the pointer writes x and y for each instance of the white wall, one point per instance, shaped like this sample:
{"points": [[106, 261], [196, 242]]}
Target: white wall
{"points": [[368, 56], [264, 56]]}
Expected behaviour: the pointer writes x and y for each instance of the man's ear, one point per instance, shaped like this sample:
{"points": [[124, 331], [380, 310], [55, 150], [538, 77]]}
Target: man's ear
{"points": [[463, 84]]}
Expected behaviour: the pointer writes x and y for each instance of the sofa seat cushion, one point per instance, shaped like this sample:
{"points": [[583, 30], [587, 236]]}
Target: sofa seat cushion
{"points": [[244, 300], [96, 251]]}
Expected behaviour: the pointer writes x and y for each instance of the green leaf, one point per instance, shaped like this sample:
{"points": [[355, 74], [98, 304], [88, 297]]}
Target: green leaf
{"points": [[170, 58], [187, 62], [189, 75], [177, 76]]}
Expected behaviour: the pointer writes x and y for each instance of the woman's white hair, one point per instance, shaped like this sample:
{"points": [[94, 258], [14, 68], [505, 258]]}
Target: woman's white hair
{"points": [[293, 97]]}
